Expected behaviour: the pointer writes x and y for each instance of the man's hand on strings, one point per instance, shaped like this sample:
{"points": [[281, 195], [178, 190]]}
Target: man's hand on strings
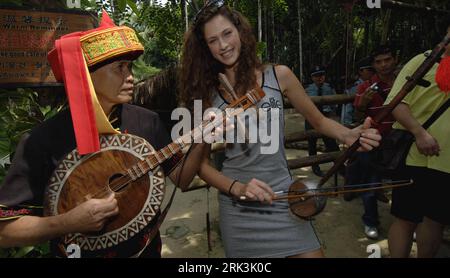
{"points": [[91, 216]]}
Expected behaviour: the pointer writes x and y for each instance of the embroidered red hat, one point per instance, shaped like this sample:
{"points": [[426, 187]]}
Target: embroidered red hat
{"points": [[72, 58]]}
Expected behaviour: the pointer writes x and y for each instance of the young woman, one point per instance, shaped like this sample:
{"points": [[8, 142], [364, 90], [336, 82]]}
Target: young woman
{"points": [[221, 41]]}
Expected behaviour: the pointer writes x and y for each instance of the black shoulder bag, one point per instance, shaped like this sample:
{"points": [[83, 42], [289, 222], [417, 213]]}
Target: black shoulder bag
{"points": [[390, 157]]}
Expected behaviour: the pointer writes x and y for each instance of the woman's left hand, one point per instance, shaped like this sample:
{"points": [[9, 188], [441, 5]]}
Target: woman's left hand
{"points": [[368, 137]]}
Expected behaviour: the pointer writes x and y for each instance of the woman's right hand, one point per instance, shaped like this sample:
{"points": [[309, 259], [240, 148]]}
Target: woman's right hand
{"points": [[255, 190], [216, 134], [91, 215]]}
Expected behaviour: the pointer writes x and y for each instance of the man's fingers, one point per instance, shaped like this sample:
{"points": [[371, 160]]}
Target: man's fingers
{"points": [[110, 197], [437, 148], [434, 150], [107, 205], [427, 151], [437, 151], [111, 213]]}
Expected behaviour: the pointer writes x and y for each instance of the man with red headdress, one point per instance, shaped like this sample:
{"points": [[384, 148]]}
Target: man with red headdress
{"points": [[95, 67], [425, 205]]}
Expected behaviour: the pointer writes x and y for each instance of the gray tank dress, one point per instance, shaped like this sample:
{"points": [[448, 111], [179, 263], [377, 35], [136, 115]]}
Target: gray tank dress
{"points": [[254, 229]]}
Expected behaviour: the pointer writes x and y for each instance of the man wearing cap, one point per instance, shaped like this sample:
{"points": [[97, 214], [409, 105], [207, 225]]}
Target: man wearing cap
{"points": [[365, 72], [95, 67], [320, 88]]}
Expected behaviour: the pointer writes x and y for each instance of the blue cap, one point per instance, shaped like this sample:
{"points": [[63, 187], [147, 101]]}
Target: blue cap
{"points": [[365, 63], [318, 70]]}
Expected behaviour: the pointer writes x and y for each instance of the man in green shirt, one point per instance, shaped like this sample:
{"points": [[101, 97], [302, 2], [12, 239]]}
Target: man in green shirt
{"points": [[425, 206]]}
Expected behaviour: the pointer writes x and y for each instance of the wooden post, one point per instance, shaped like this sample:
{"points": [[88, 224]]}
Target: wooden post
{"points": [[292, 163], [313, 160], [324, 100], [302, 136]]}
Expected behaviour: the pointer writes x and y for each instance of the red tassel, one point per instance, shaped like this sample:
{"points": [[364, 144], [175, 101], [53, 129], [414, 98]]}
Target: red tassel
{"points": [[106, 20], [443, 75]]}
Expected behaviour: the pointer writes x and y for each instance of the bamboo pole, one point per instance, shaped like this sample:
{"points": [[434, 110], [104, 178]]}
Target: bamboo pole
{"points": [[292, 163], [313, 160], [327, 100]]}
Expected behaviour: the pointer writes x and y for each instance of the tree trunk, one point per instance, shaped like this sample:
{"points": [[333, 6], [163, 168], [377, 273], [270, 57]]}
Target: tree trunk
{"points": [[272, 30], [259, 21], [386, 25], [184, 14], [300, 43], [266, 40], [366, 36]]}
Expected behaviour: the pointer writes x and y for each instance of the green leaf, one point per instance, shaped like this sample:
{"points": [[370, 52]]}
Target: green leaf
{"points": [[4, 147], [133, 6], [44, 249], [141, 70], [45, 109], [22, 252], [122, 5]]}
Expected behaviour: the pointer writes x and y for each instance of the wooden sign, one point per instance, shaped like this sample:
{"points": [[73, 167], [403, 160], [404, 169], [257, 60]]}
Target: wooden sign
{"points": [[25, 39]]}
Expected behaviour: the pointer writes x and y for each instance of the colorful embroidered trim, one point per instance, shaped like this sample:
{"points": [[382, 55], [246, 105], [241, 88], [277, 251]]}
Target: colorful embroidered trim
{"points": [[8, 213], [102, 45]]}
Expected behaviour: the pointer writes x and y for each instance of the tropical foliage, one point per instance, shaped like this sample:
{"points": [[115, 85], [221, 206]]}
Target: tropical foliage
{"points": [[20, 112], [23, 109]]}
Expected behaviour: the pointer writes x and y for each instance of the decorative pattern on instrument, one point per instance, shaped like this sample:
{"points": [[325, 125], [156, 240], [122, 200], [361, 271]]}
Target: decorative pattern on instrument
{"points": [[124, 142]]}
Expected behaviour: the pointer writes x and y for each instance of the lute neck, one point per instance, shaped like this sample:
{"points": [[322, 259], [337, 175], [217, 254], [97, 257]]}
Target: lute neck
{"points": [[152, 161]]}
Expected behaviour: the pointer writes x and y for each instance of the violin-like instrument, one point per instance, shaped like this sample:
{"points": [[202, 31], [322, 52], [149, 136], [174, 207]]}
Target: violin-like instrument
{"points": [[310, 202]]}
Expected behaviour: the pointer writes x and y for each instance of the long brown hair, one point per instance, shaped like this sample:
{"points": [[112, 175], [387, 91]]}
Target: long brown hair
{"points": [[199, 69]]}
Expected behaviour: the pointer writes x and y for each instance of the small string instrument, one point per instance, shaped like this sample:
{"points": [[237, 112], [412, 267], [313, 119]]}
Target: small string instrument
{"points": [[128, 166], [307, 202]]}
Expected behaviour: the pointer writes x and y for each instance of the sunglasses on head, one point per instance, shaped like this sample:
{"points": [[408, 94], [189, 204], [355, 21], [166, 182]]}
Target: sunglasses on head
{"points": [[213, 4]]}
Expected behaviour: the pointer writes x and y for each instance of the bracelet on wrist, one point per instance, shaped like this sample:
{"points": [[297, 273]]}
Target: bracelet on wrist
{"points": [[231, 186]]}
